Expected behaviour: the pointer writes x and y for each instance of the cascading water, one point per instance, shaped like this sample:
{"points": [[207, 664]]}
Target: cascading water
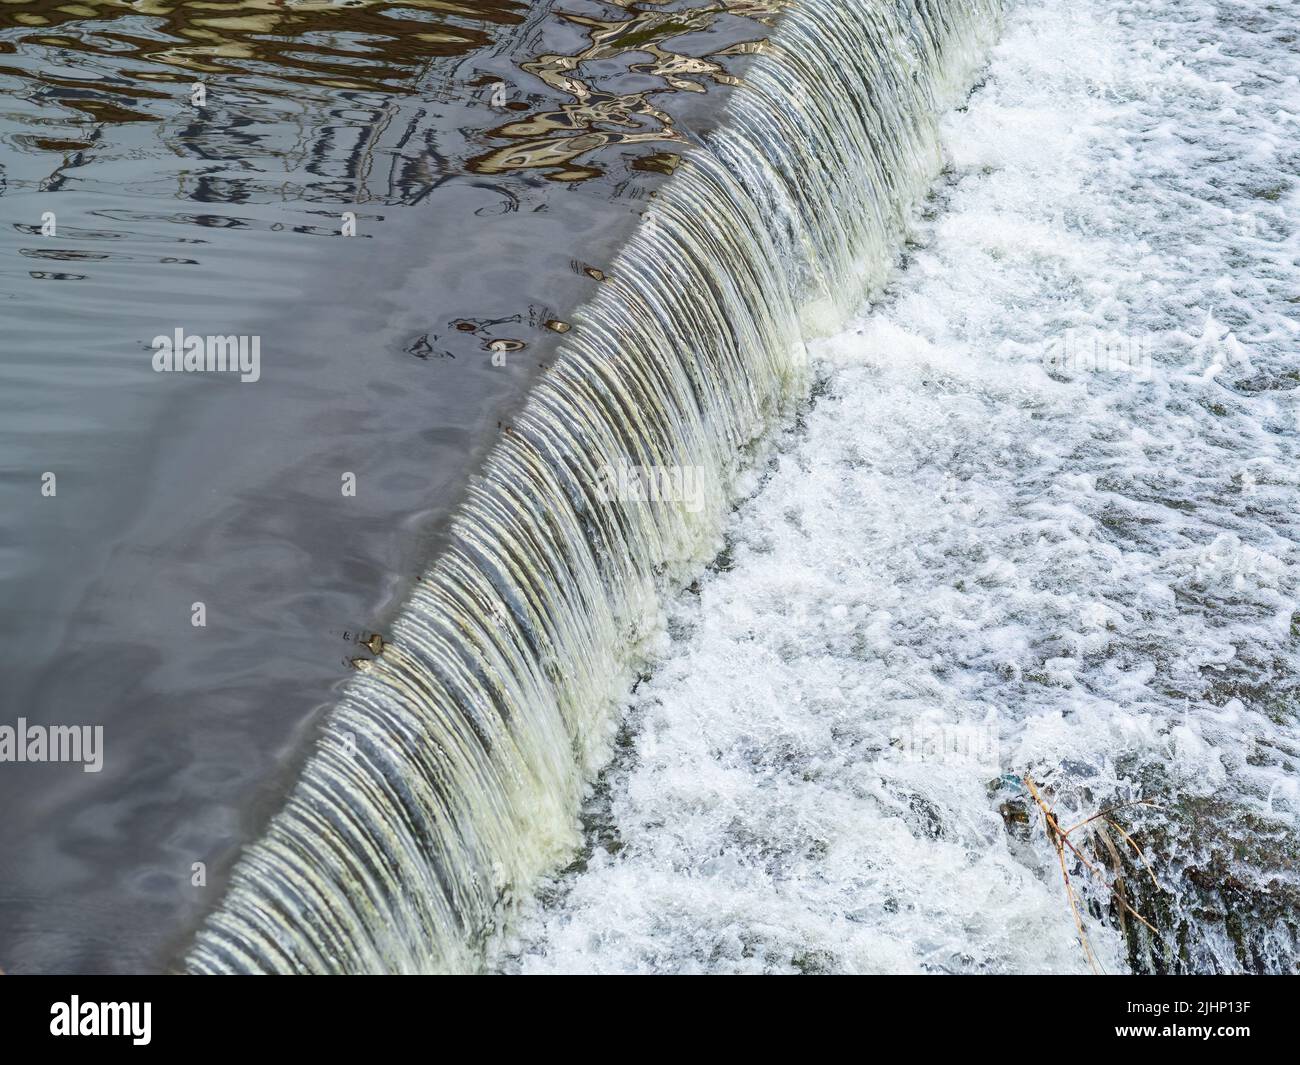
{"points": [[449, 777], [1035, 539]]}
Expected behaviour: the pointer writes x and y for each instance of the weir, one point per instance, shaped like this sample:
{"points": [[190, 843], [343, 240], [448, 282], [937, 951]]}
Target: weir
{"points": [[448, 778]]}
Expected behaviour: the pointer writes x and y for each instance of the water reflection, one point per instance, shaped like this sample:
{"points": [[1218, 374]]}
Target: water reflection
{"points": [[70, 70], [297, 93], [347, 44], [557, 138]]}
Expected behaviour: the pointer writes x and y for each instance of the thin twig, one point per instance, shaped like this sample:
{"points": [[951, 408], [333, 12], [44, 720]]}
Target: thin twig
{"points": [[1060, 839]]}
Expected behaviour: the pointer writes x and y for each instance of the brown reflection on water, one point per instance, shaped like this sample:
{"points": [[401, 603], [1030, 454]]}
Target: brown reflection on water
{"points": [[116, 62], [301, 94], [558, 138], [293, 40]]}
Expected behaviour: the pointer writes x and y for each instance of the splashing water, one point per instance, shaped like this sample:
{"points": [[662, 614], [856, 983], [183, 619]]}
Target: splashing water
{"points": [[449, 778], [995, 547]]}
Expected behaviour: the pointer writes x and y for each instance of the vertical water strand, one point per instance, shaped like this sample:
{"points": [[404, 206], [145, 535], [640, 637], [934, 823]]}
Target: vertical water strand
{"points": [[837, 131], [448, 778]]}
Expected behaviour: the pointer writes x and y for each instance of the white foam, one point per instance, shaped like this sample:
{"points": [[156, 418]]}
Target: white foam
{"points": [[1100, 566]]}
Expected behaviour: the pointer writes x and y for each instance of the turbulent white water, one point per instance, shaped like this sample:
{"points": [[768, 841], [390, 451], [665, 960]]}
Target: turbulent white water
{"points": [[980, 554]]}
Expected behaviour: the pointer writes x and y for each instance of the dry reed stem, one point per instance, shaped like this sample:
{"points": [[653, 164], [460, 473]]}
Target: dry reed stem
{"points": [[1060, 839]]}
